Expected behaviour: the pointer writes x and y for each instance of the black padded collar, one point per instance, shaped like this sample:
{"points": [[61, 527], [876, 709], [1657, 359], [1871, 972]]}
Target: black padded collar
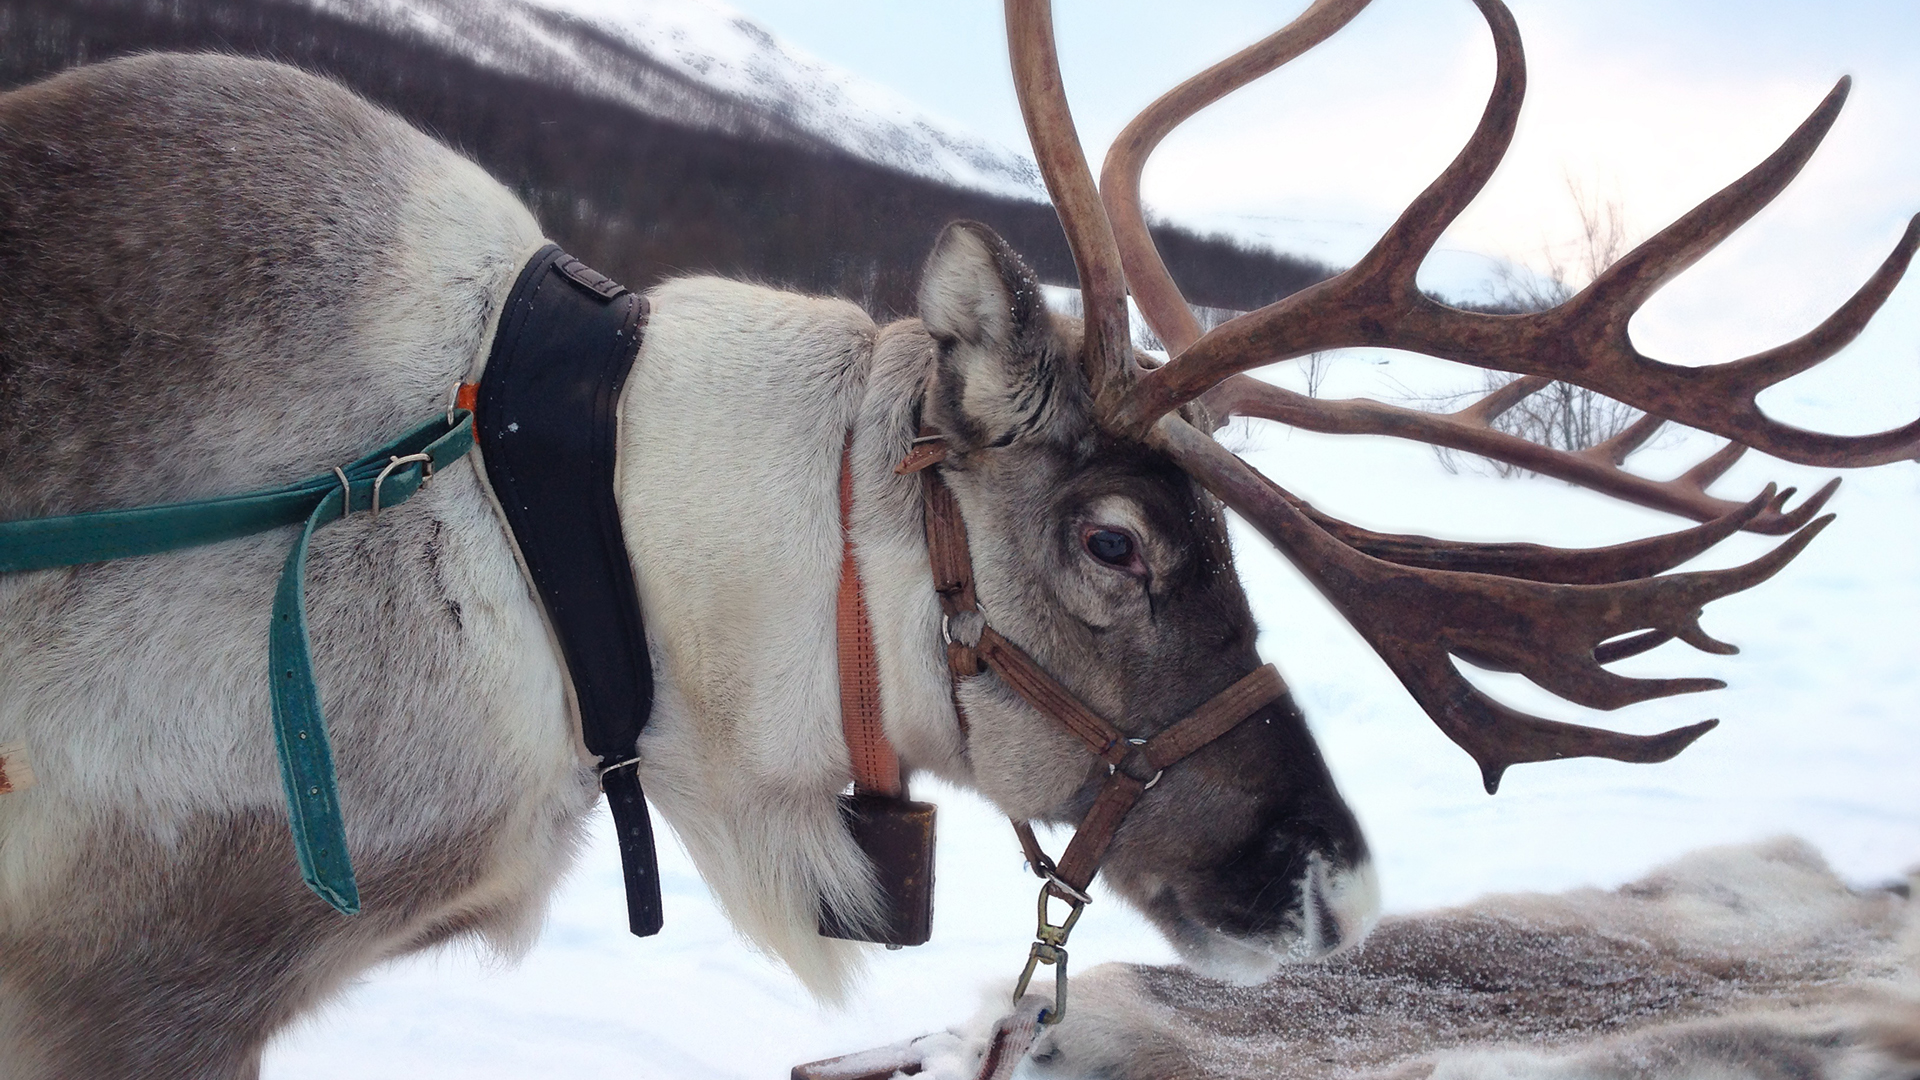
{"points": [[546, 426]]}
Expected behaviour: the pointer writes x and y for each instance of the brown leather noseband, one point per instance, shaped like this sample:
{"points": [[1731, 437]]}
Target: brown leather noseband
{"points": [[973, 646]]}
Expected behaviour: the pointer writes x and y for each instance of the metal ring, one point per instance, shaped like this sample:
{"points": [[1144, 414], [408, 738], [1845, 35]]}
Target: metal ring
{"points": [[346, 492], [392, 464], [453, 401], [1073, 895], [1112, 768], [601, 773], [946, 624]]}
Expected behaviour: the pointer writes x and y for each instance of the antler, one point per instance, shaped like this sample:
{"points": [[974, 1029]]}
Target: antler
{"points": [[1584, 340], [1551, 614], [1471, 429], [1417, 619]]}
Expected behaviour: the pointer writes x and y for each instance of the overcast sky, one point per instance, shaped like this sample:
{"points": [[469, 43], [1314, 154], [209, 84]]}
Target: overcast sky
{"points": [[1653, 104]]}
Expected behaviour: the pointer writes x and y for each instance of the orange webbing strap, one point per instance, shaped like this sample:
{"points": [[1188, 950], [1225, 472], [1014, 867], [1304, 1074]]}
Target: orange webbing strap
{"points": [[876, 769]]}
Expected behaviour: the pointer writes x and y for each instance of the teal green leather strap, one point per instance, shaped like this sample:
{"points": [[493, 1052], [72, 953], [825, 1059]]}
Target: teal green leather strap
{"points": [[387, 477]]}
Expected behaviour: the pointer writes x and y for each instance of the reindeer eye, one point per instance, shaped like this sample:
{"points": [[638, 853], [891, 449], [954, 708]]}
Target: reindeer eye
{"points": [[1113, 548]]}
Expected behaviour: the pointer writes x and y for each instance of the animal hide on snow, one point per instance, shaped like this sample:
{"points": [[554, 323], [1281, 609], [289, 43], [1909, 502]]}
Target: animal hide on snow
{"points": [[1731, 963]]}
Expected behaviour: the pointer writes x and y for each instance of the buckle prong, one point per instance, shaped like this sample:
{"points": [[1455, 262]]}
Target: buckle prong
{"points": [[392, 464]]}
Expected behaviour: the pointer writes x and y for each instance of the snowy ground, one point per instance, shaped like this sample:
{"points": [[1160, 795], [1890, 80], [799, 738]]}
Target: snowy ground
{"points": [[1821, 737]]}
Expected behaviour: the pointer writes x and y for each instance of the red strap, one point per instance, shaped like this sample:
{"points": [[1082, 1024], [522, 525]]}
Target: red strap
{"points": [[876, 769]]}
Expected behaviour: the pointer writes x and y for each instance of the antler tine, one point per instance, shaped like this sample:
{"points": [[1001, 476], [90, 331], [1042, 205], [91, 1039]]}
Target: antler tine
{"points": [[1419, 619], [1597, 468], [1394, 261], [1159, 298], [1107, 349], [1536, 562], [1638, 274], [1584, 340], [1360, 304]]}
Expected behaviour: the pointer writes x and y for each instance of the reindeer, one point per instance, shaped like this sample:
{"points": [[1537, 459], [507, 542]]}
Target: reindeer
{"points": [[223, 273]]}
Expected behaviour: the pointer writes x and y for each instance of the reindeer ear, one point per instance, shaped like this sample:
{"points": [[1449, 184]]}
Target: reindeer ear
{"points": [[1001, 374], [976, 290]]}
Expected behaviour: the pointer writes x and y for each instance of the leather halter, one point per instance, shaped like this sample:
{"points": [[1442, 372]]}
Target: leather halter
{"points": [[973, 646]]}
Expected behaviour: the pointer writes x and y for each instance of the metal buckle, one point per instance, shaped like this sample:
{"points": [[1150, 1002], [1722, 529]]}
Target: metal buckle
{"points": [[601, 773], [1051, 947], [1111, 769], [392, 464]]}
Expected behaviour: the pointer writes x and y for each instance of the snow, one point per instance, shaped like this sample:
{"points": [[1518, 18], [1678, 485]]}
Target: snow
{"points": [[722, 48]]}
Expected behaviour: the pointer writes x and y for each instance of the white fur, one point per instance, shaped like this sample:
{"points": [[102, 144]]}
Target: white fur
{"points": [[734, 419]]}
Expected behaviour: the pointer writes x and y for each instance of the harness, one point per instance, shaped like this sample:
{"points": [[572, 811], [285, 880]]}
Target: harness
{"points": [[548, 423], [566, 340], [548, 433], [384, 478]]}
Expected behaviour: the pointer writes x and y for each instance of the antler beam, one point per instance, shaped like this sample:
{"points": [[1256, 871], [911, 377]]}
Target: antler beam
{"points": [[1153, 289], [1108, 352]]}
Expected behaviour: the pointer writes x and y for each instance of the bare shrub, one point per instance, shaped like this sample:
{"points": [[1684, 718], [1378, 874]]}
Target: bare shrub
{"points": [[1562, 416]]}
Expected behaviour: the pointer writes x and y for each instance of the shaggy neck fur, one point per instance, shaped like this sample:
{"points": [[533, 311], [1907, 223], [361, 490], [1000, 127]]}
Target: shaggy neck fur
{"points": [[734, 419]]}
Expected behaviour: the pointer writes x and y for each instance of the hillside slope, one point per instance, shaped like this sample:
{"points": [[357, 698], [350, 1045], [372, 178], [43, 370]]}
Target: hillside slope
{"points": [[629, 160]]}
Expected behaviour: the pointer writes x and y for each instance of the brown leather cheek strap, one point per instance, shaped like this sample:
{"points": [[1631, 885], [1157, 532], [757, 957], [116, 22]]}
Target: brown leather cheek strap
{"points": [[972, 645], [1219, 715]]}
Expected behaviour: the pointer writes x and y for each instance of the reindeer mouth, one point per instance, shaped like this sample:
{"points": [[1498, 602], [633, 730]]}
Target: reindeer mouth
{"points": [[1335, 909]]}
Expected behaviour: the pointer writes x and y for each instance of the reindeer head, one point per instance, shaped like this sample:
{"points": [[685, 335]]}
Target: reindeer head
{"points": [[1088, 474], [1107, 563]]}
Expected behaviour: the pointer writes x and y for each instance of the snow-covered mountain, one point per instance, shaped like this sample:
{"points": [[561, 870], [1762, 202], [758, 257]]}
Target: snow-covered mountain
{"points": [[701, 63]]}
